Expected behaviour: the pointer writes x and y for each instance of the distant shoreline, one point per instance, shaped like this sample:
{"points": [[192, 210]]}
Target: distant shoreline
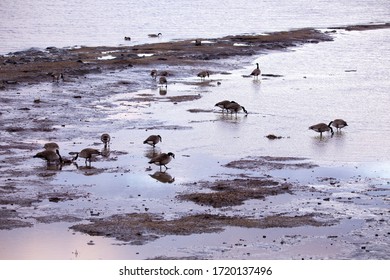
{"points": [[35, 66]]}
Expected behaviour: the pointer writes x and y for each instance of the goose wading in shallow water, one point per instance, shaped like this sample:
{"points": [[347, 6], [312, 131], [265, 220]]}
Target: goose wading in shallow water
{"points": [[322, 127], [339, 124], [163, 81], [256, 72], [87, 153], [234, 107], [106, 138], [202, 75], [153, 73], [162, 159], [50, 156], [152, 140], [222, 104]]}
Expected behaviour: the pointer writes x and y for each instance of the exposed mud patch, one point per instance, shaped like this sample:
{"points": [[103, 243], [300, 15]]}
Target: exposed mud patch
{"points": [[271, 163], [139, 229], [234, 192]]}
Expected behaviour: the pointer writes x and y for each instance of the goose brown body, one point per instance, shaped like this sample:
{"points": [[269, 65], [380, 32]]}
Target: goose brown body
{"points": [[339, 123], [234, 107], [50, 156], [203, 74], [223, 104], [322, 127], [87, 153], [153, 140], [162, 159], [163, 81], [256, 72]]}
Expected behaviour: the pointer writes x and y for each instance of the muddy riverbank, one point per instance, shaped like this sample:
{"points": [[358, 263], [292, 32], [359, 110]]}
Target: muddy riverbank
{"points": [[119, 196]]}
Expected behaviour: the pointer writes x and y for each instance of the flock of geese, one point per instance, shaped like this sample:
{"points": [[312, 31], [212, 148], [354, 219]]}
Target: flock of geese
{"points": [[51, 153]]}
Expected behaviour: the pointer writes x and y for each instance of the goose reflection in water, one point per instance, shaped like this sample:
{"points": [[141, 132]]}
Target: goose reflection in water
{"points": [[163, 177]]}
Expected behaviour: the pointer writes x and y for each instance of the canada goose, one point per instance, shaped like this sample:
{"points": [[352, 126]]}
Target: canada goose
{"points": [[106, 138], [339, 124], [222, 104], [163, 81], [154, 35], [322, 127], [256, 72], [51, 146], [203, 74], [87, 153], [152, 140], [234, 107], [57, 77], [162, 159], [127, 38], [50, 156], [164, 73], [153, 73]]}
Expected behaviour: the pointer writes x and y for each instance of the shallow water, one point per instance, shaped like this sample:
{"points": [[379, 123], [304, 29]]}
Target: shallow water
{"points": [[62, 23], [346, 78]]}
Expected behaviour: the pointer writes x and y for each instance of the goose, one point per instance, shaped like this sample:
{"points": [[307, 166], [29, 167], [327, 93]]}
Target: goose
{"points": [[203, 74], [51, 146], [339, 124], [164, 73], [234, 107], [57, 76], [50, 156], [162, 159], [322, 127], [256, 72], [163, 81], [153, 73], [154, 35], [87, 153], [106, 138], [152, 140], [222, 104]]}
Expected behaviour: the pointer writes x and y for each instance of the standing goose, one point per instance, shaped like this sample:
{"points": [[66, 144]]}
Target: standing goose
{"points": [[87, 153], [222, 104], [57, 77], [322, 127], [152, 140], [256, 72], [163, 81], [202, 75], [339, 124], [106, 138], [50, 156], [153, 73], [234, 107], [162, 159]]}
